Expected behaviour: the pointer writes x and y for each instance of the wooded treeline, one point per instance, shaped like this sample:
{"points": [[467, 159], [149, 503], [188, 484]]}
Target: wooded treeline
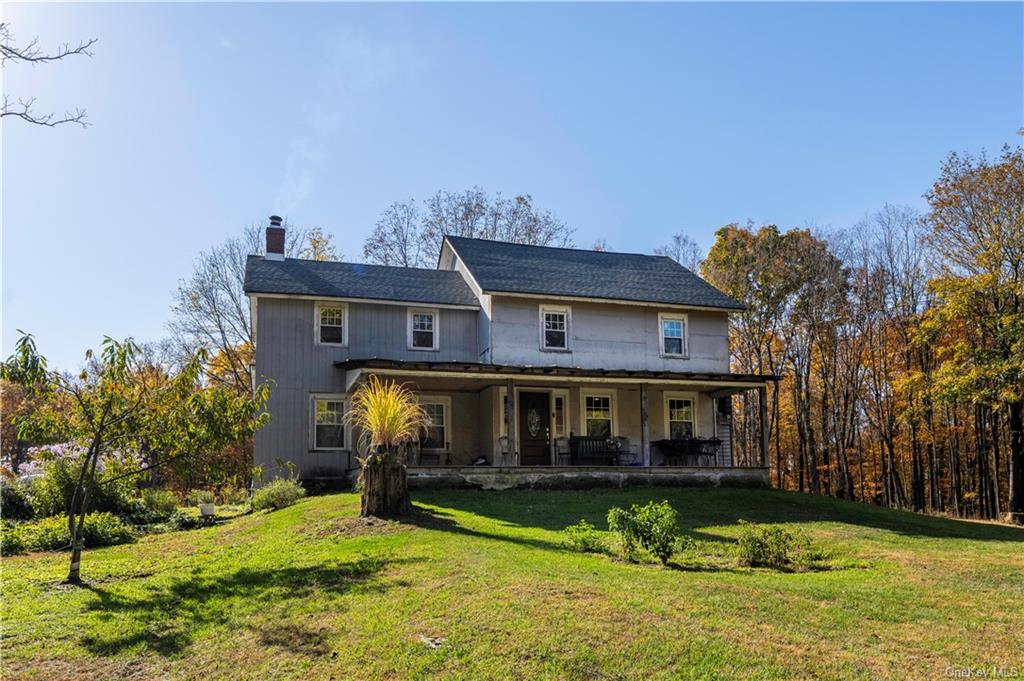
{"points": [[900, 343]]}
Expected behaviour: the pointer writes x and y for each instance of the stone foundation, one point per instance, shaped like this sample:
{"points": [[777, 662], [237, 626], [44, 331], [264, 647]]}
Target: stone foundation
{"points": [[582, 477]]}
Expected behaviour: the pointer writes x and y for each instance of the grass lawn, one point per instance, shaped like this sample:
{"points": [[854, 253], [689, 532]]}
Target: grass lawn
{"points": [[312, 592]]}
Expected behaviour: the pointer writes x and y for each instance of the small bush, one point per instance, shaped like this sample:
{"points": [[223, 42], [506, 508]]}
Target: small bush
{"points": [[776, 547], [51, 534], [182, 520], [234, 496], [653, 527], [160, 502], [52, 492], [11, 542], [200, 496], [584, 537], [277, 494], [15, 503]]}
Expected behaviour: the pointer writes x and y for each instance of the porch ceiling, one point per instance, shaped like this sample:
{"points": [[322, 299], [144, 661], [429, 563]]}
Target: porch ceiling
{"points": [[471, 375]]}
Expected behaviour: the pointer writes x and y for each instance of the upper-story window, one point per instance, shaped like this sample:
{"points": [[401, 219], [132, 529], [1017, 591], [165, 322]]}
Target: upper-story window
{"points": [[554, 328], [422, 329], [673, 335], [332, 323]]}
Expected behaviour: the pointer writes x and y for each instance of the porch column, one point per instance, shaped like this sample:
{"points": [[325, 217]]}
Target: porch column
{"points": [[645, 434], [762, 405], [510, 421]]}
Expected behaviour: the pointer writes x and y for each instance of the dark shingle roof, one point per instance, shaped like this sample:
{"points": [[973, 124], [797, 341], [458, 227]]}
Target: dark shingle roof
{"points": [[354, 280], [515, 268]]}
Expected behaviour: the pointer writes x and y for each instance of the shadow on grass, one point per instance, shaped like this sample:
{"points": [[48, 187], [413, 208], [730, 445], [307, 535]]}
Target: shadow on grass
{"points": [[166, 619], [434, 519], [555, 510]]}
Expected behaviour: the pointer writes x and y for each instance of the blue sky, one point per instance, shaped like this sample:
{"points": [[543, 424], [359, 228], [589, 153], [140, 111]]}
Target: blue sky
{"points": [[630, 122]]}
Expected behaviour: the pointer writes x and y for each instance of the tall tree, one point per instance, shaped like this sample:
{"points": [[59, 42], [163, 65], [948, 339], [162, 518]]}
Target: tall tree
{"points": [[23, 108], [977, 227], [408, 236]]}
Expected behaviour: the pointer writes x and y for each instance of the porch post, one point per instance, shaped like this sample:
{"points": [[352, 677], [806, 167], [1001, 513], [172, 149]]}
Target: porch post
{"points": [[762, 405], [645, 434], [510, 421]]}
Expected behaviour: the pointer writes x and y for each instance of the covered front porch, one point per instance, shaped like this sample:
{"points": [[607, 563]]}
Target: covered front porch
{"points": [[573, 427]]}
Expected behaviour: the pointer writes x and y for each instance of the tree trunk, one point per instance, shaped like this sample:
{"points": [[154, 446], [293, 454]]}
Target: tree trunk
{"points": [[1015, 508], [385, 489]]}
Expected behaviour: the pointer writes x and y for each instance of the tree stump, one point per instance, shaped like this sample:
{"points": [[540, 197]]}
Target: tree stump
{"points": [[385, 489]]}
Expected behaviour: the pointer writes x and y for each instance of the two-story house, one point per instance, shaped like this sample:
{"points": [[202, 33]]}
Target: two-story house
{"points": [[612, 360]]}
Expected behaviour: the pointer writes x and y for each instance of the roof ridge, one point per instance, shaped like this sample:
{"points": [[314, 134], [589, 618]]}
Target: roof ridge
{"points": [[347, 262], [554, 248]]}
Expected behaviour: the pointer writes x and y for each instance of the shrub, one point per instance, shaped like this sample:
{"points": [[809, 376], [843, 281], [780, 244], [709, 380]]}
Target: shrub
{"points": [[15, 503], [277, 494], [235, 496], [11, 542], [160, 502], [51, 534], [584, 537], [653, 527], [200, 496], [51, 493], [182, 520], [775, 547]]}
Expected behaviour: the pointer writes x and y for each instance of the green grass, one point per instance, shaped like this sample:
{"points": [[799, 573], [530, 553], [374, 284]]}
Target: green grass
{"points": [[312, 592]]}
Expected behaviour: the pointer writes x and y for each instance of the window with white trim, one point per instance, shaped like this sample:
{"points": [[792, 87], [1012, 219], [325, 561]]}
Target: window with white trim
{"points": [[673, 335], [328, 423], [597, 415], [559, 413], [679, 417], [435, 434], [422, 329], [554, 330], [331, 324]]}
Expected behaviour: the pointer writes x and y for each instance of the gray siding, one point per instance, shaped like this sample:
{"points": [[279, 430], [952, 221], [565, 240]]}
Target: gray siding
{"points": [[606, 336], [287, 354]]}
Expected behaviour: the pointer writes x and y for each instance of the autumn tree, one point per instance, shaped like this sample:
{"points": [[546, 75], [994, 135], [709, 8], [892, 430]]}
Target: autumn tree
{"points": [[408, 235], [976, 225]]}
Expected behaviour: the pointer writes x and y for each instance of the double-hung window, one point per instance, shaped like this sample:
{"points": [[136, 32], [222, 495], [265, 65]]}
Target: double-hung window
{"points": [[554, 328], [673, 335], [331, 326], [597, 415], [422, 329], [435, 434], [328, 422], [679, 416]]}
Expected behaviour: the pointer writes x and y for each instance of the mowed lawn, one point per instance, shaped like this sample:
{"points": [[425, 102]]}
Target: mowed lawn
{"points": [[479, 586]]}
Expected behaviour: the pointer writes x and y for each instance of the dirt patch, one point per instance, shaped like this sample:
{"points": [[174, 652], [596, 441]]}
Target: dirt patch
{"points": [[351, 527]]}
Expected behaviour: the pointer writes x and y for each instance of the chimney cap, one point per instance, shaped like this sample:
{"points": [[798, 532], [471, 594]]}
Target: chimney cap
{"points": [[275, 220]]}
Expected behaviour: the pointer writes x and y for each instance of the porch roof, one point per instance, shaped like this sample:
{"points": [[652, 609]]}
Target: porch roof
{"points": [[510, 371]]}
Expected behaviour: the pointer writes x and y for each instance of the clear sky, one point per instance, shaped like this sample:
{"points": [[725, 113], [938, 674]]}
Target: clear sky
{"points": [[630, 122]]}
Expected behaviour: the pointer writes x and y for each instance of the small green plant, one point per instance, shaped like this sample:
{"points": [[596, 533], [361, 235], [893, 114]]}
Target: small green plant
{"points": [[277, 494], [776, 547], [199, 496], [160, 502], [51, 534], [584, 537], [183, 520], [11, 542], [653, 527]]}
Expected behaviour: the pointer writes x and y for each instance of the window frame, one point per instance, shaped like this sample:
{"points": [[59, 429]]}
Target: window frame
{"points": [[684, 319], [556, 309], [436, 331], [446, 402], [694, 413], [320, 304], [346, 429], [612, 406]]}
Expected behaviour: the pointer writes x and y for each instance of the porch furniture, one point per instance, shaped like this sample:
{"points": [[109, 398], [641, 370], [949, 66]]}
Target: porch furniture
{"points": [[601, 451], [629, 454], [563, 455], [433, 457], [689, 451], [502, 453]]}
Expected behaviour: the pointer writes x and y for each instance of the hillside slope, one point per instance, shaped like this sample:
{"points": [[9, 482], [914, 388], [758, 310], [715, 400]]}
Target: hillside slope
{"points": [[313, 592]]}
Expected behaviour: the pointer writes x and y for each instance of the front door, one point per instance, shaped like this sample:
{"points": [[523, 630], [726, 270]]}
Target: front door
{"points": [[534, 429]]}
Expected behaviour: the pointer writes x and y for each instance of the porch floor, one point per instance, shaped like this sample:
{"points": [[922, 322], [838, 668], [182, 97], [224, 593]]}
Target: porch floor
{"points": [[584, 477]]}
